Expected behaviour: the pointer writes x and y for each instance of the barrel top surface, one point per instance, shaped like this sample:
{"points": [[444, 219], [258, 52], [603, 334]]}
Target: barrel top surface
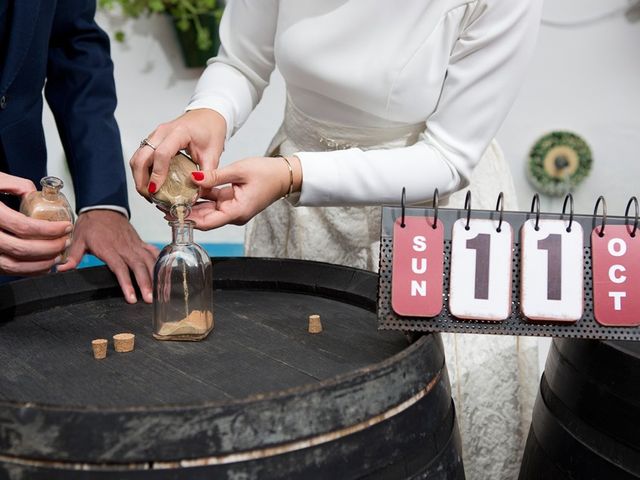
{"points": [[260, 344]]}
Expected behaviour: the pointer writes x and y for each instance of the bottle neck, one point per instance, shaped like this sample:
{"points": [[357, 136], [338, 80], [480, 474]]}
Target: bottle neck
{"points": [[50, 194], [182, 233], [51, 187]]}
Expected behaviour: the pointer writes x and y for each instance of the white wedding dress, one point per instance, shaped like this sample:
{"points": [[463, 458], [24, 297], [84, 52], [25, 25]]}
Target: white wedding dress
{"points": [[384, 95], [493, 378]]}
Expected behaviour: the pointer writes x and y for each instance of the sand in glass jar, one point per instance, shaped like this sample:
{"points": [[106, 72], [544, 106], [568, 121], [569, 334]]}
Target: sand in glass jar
{"points": [[49, 204], [178, 192], [183, 288]]}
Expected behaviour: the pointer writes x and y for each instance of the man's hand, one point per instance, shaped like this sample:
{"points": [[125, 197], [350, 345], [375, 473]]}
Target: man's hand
{"points": [[109, 236], [27, 246]]}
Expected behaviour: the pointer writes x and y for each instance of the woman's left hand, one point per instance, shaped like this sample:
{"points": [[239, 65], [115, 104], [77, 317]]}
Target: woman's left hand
{"points": [[238, 192]]}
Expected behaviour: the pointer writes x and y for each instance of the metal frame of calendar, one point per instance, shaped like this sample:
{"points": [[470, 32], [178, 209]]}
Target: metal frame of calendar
{"points": [[516, 323]]}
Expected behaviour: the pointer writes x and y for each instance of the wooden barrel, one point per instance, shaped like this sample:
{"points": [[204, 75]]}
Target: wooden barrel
{"points": [[259, 398], [586, 419]]}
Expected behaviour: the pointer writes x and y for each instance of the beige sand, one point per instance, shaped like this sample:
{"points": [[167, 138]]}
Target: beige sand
{"points": [[178, 189], [196, 323]]}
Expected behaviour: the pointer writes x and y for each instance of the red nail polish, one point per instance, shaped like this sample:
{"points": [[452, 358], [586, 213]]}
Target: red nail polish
{"points": [[198, 175], [152, 187]]}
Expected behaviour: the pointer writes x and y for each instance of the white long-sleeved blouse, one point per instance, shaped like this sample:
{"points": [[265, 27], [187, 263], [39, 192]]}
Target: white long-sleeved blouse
{"points": [[454, 65]]}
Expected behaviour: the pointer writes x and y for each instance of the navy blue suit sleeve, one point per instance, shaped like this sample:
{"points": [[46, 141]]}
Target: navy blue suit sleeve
{"points": [[80, 90]]}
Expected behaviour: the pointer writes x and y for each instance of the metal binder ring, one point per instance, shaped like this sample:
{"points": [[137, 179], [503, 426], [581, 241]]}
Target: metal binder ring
{"points": [[436, 201], [626, 215], [536, 203], [569, 198], [604, 214], [467, 206], [500, 208], [403, 201]]}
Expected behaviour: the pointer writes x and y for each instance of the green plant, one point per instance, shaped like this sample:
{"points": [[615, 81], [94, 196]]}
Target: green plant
{"points": [[186, 14]]}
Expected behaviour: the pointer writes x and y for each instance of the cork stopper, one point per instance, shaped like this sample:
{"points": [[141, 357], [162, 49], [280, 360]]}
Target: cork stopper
{"points": [[99, 347], [315, 326], [123, 342]]}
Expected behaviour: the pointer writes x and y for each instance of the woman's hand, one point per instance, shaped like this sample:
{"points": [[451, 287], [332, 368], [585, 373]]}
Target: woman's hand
{"points": [[238, 192], [200, 132], [28, 246]]}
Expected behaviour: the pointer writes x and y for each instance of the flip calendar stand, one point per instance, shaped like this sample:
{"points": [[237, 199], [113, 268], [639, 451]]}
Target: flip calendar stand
{"points": [[511, 273]]}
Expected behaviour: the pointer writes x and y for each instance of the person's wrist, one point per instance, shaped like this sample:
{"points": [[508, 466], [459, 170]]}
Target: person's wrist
{"points": [[297, 173], [214, 121], [293, 176]]}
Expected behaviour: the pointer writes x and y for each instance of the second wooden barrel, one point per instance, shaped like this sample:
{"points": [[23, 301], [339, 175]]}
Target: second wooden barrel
{"points": [[260, 398], [586, 419]]}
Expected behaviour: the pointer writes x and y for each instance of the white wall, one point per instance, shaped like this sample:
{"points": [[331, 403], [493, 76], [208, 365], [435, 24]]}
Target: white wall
{"points": [[586, 80], [582, 79], [153, 86]]}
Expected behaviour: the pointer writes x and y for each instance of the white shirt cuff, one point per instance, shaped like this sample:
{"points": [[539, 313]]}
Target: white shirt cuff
{"points": [[115, 208]]}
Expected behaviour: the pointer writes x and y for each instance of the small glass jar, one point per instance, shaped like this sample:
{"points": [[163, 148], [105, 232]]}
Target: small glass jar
{"points": [[182, 288], [178, 193], [48, 204]]}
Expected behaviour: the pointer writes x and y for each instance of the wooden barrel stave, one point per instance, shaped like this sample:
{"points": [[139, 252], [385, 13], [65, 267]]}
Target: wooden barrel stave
{"points": [[130, 434], [393, 416], [342, 459], [586, 417], [579, 373]]}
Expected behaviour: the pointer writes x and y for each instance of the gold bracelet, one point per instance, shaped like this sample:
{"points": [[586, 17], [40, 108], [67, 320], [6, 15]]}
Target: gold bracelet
{"points": [[286, 195]]}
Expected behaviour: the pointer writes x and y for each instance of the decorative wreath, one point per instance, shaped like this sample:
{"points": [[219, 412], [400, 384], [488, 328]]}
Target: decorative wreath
{"points": [[558, 162]]}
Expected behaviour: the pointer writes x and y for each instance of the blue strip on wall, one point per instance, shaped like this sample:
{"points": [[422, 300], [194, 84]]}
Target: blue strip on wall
{"points": [[213, 249]]}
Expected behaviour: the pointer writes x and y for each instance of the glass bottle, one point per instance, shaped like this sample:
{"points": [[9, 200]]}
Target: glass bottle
{"points": [[178, 193], [48, 204], [182, 288]]}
